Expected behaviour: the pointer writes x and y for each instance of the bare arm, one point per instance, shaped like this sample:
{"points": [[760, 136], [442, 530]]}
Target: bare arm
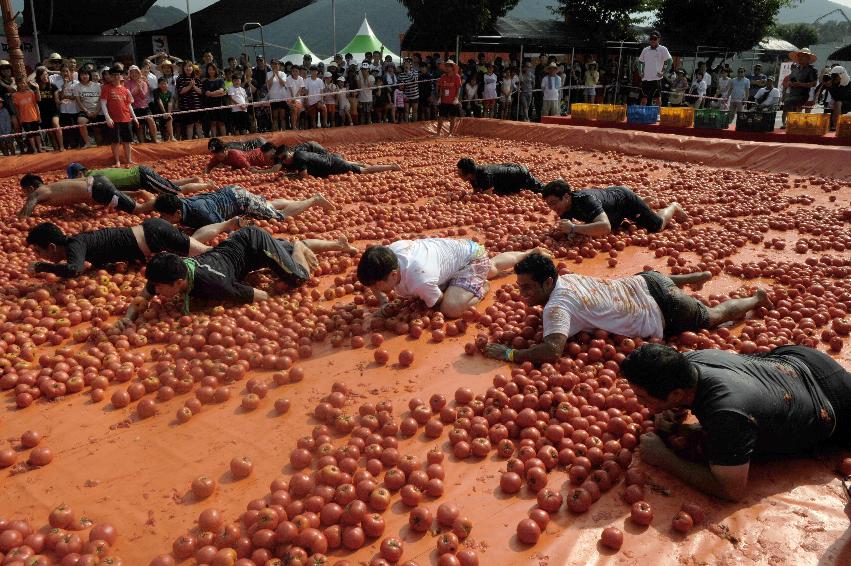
{"points": [[33, 199], [600, 226], [549, 350], [260, 295], [197, 248]]}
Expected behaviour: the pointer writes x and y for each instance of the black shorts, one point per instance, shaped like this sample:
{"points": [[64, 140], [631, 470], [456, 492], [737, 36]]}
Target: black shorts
{"points": [[633, 207], [261, 250], [680, 312], [66, 119], [833, 379], [162, 236], [140, 112], [104, 192], [31, 126], [239, 121], [156, 183], [190, 117], [449, 110], [47, 120], [651, 89], [119, 133], [280, 105]]}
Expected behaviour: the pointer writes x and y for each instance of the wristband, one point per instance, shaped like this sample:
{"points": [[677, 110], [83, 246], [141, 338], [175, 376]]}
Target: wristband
{"points": [[509, 354]]}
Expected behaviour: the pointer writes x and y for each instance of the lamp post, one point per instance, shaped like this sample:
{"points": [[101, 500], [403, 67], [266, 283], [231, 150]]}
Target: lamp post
{"points": [[16, 56], [334, 27], [191, 41]]}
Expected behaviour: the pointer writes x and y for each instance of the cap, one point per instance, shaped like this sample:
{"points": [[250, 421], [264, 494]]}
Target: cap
{"points": [[364, 65], [166, 62], [552, 66], [341, 79], [327, 75], [133, 68], [450, 62], [275, 61], [75, 169], [55, 57], [654, 33], [836, 70], [259, 57], [4, 63]]}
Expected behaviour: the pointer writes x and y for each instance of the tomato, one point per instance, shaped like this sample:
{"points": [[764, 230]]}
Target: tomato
{"points": [[549, 500], [40, 456], [210, 520], [391, 549], [447, 513], [447, 543], [353, 538], [682, 522], [61, 517], [462, 526], [373, 525], [406, 358], [30, 439], [612, 537], [633, 493], [420, 519], [241, 467], [844, 469], [641, 513], [528, 531], [695, 511], [579, 500]]}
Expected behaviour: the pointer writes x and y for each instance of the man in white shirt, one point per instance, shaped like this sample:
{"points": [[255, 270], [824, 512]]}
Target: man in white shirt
{"points": [[647, 305], [315, 107], [697, 90], [551, 85], [446, 274], [653, 64], [295, 88], [768, 97]]}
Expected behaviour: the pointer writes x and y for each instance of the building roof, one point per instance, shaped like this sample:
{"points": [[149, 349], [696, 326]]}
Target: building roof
{"points": [[228, 16], [82, 17], [505, 32]]}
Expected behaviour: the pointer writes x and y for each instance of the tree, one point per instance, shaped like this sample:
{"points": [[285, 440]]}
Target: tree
{"points": [[446, 20], [800, 35], [598, 21], [734, 24]]}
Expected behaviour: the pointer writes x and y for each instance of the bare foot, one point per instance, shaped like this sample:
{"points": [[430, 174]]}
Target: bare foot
{"points": [[396, 167], [117, 164], [320, 200], [679, 212], [763, 299], [131, 162], [345, 246]]}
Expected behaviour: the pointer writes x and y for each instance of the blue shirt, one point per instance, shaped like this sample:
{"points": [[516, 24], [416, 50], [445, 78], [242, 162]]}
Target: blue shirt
{"points": [[210, 208]]}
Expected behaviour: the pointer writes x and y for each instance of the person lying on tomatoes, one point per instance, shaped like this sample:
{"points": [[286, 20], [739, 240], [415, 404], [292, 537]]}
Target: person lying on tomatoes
{"points": [[446, 274], [259, 160], [504, 178], [309, 163], [227, 209], [602, 211], [217, 275], [647, 305], [66, 255], [97, 189], [141, 177], [786, 401]]}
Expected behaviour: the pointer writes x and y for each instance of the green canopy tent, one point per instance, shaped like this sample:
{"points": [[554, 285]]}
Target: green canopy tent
{"points": [[363, 41], [296, 54]]}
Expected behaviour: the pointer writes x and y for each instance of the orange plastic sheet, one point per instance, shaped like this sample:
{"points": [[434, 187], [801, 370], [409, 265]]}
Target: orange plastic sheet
{"points": [[110, 466]]}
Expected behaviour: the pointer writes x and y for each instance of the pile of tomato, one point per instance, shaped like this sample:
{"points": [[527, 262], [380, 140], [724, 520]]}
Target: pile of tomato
{"points": [[579, 414]]}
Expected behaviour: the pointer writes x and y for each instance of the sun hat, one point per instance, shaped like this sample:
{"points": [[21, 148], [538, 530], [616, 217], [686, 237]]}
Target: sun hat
{"points": [[796, 56], [55, 57]]}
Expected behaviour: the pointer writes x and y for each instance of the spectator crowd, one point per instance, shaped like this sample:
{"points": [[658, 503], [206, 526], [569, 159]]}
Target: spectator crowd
{"points": [[66, 106]]}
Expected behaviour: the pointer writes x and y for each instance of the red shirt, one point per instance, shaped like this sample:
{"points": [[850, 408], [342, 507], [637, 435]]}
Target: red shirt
{"points": [[448, 86], [118, 98], [241, 159]]}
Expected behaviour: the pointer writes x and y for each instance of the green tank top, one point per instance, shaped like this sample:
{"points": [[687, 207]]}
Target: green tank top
{"points": [[121, 178]]}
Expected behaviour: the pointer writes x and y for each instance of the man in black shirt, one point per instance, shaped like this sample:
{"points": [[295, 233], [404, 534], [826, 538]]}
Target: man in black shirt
{"points": [[217, 275], [504, 179], [106, 246], [603, 210], [840, 91], [305, 163], [786, 401]]}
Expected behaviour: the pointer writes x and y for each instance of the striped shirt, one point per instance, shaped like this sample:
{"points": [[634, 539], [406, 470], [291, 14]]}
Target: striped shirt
{"points": [[408, 80]]}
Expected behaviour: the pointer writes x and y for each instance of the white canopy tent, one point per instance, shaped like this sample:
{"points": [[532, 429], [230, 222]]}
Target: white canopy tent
{"points": [[363, 41]]}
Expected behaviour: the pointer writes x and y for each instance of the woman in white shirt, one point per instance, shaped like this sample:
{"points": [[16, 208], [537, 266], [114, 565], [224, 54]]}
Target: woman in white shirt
{"points": [[592, 77], [446, 274], [277, 85], [329, 99], [725, 86], [472, 102], [490, 81]]}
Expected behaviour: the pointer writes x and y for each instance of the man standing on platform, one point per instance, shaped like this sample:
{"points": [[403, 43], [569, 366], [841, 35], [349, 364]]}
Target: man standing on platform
{"points": [[653, 64], [448, 88]]}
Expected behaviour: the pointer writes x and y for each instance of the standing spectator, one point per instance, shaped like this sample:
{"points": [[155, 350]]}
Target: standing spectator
{"points": [[427, 90], [725, 84], [214, 91], [162, 106], [540, 71], [138, 87], [707, 77], [506, 89], [399, 103], [314, 86], [237, 97], [259, 93], [189, 101], [592, 79], [801, 80], [295, 91], [653, 64], [365, 85], [756, 80], [53, 65], [390, 77], [8, 87], [167, 73], [26, 103], [527, 85], [697, 90], [408, 81], [679, 87], [768, 97], [87, 94], [68, 109], [840, 93], [7, 146], [48, 106], [343, 104], [207, 58], [383, 105], [740, 88], [352, 92], [472, 103], [276, 85], [329, 98], [551, 86], [116, 104], [449, 88], [489, 87], [153, 80]]}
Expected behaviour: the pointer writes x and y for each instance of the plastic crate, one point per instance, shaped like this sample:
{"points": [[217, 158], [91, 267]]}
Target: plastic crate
{"points": [[755, 121], [843, 126], [712, 118], [611, 112], [803, 124], [583, 111], [677, 117], [636, 114]]}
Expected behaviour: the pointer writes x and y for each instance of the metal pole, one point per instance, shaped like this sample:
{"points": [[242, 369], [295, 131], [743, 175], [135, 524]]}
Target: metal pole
{"points": [[520, 84], [191, 41], [458, 50], [334, 27], [570, 77], [35, 33], [618, 78]]}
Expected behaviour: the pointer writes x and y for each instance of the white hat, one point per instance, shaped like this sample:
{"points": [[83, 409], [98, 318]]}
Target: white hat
{"points": [[364, 65], [327, 75], [55, 57], [341, 79], [133, 68]]}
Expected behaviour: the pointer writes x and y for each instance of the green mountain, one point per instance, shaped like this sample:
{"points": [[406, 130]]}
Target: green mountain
{"points": [[808, 11]]}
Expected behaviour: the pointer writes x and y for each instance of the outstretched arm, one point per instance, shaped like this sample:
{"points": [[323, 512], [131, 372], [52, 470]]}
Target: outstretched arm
{"points": [[33, 199], [600, 226], [549, 350], [197, 248], [138, 305]]}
